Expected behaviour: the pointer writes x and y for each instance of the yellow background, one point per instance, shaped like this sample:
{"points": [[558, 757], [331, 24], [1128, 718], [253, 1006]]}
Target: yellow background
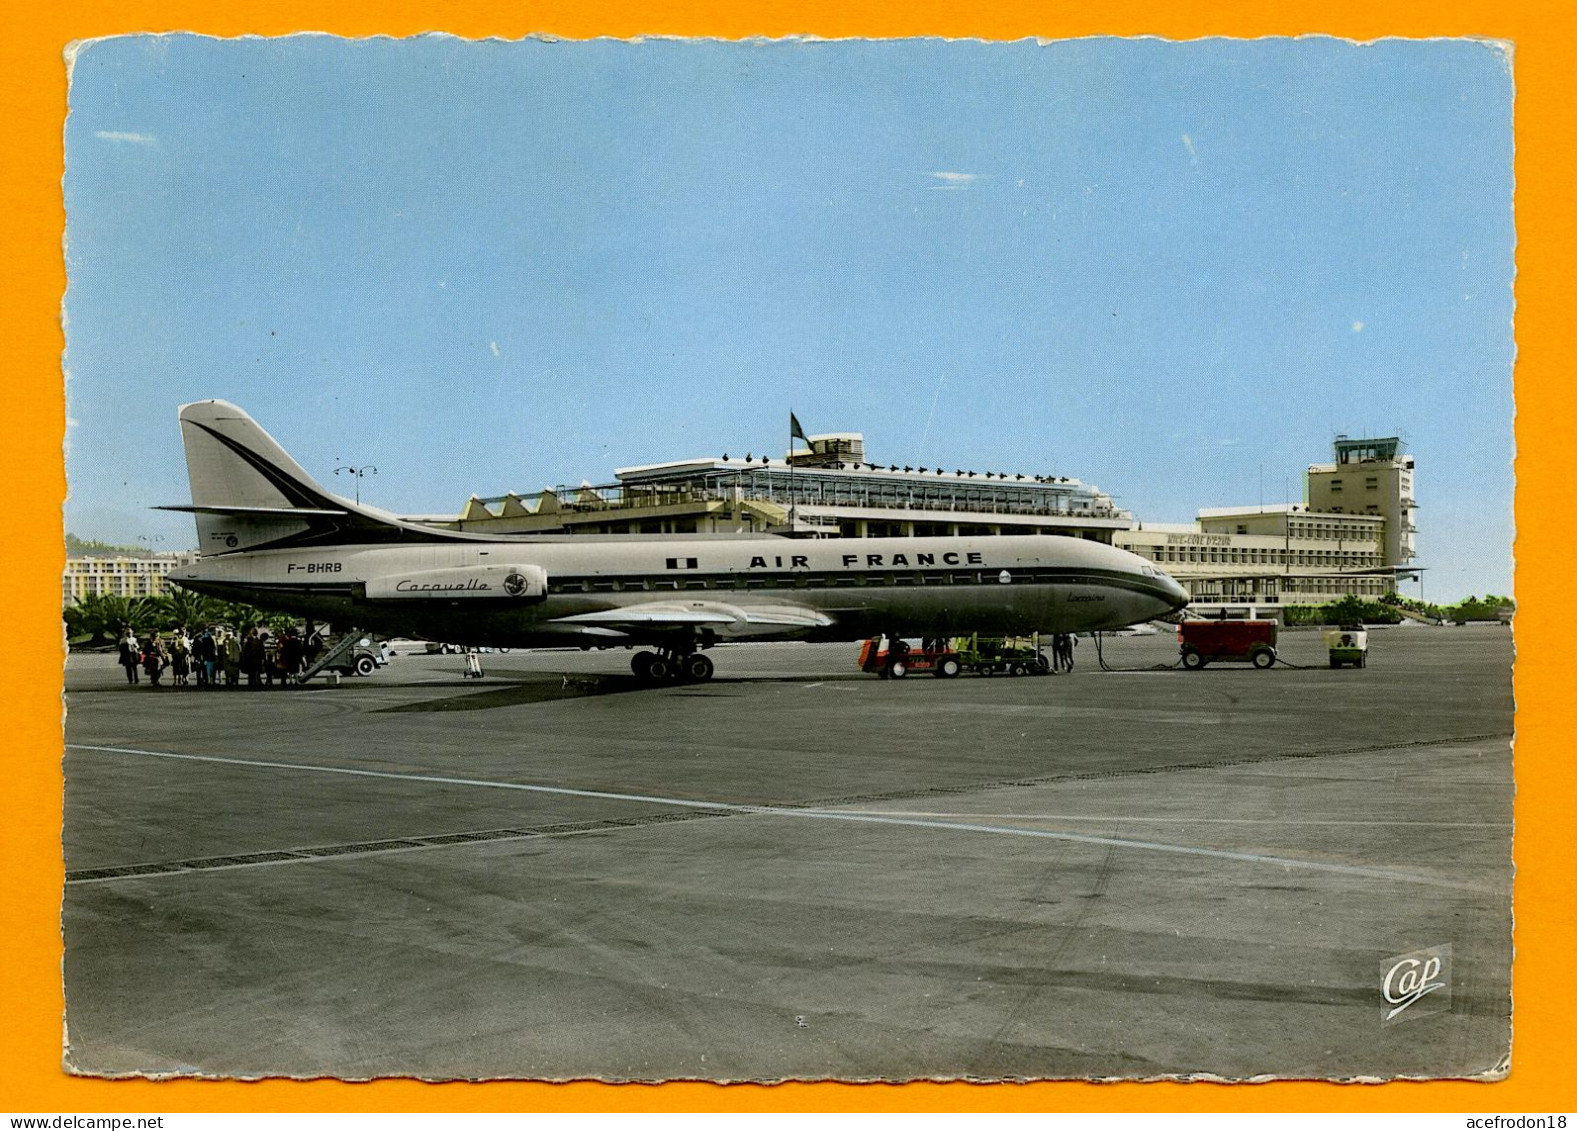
{"points": [[34, 87]]}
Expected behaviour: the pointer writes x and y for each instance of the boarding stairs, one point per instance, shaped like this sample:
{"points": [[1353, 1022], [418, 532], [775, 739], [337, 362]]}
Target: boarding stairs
{"points": [[1410, 614], [341, 649]]}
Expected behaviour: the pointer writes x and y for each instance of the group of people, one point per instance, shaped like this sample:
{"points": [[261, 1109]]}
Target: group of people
{"points": [[219, 656], [1062, 646]]}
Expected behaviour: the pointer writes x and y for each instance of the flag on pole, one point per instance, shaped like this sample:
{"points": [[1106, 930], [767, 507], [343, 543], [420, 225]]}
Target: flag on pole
{"points": [[795, 431]]}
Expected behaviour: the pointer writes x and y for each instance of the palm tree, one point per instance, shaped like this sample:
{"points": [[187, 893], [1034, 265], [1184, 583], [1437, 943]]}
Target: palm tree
{"points": [[85, 619], [183, 608], [103, 616], [239, 616]]}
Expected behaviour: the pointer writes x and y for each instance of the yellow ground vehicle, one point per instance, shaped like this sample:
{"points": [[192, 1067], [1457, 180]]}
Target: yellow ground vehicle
{"points": [[1347, 645], [1002, 655]]}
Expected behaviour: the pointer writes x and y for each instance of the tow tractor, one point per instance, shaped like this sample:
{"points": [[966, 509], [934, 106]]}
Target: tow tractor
{"points": [[1230, 641], [1010, 655], [1348, 644], [893, 658]]}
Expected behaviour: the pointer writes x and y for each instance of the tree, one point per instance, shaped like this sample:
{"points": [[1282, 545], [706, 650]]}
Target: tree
{"points": [[239, 616], [75, 545], [182, 608], [102, 617], [85, 619], [1474, 609]]}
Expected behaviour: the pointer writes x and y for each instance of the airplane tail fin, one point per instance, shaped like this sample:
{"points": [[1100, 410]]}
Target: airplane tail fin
{"points": [[248, 494]]}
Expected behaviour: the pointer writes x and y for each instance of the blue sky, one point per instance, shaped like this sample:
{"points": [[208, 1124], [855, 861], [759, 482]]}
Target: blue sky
{"points": [[1165, 268]]}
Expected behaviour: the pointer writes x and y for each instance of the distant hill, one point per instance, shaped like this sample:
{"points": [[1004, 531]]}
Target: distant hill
{"points": [[78, 547]]}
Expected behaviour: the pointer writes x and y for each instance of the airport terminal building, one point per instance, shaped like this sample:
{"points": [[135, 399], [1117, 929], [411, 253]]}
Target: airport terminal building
{"points": [[1353, 533], [830, 491]]}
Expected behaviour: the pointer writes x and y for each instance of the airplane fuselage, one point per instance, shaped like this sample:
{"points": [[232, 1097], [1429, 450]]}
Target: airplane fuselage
{"points": [[584, 591]]}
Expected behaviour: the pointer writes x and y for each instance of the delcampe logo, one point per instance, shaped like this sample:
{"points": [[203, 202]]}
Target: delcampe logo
{"points": [[1422, 976]]}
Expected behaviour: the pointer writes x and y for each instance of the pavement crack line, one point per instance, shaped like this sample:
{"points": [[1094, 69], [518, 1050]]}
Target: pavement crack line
{"points": [[724, 807]]}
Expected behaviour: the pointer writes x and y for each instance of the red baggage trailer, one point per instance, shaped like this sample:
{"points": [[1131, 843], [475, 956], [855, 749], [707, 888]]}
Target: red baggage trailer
{"points": [[894, 659], [1233, 641]]}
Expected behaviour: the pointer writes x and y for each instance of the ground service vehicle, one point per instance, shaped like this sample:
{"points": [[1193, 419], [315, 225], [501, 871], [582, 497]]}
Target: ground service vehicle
{"points": [[1347, 645], [897, 658], [365, 658], [1235, 641], [350, 654], [1011, 655]]}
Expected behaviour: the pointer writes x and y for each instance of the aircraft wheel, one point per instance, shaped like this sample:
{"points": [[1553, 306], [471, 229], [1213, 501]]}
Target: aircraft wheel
{"points": [[365, 665], [659, 669], [898, 670], [698, 667], [947, 669], [641, 664], [1264, 657], [1193, 660]]}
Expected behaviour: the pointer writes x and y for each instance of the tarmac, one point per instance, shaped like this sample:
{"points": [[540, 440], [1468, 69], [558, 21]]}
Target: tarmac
{"points": [[797, 871]]}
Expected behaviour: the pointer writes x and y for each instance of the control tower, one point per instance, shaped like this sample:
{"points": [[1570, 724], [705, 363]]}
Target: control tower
{"points": [[1371, 476]]}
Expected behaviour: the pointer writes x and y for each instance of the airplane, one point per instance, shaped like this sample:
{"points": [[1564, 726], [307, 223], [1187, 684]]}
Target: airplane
{"points": [[270, 535]]}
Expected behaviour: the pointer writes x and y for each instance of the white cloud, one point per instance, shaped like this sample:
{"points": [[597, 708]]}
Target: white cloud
{"points": [[1357, 327], [117, 135], [1188, 144], [954, 180], [494, 347]]}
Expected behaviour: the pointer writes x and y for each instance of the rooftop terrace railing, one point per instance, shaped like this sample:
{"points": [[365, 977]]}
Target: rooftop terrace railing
{"points": [[776, 490]]}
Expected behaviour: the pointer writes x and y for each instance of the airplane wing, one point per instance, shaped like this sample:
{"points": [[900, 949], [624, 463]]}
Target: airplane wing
{"points": [[786, 616], [653, 616], [667, 615]]}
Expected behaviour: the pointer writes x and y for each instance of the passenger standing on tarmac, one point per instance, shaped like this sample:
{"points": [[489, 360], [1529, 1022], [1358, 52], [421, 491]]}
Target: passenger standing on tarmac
{"points": [[252, 657], [1069, 643], [130, 655], [153, 659], [270, 657], [290, 653], [204, 652], [314, 644], [473, 664], [230, 654], [1057, 652], [180, 656]]}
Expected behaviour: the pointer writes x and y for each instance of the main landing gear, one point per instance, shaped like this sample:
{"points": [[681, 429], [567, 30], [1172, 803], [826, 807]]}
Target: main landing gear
{"points": [[670, 664]]}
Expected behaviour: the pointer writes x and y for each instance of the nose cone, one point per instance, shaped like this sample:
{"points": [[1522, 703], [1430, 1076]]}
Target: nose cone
{"points": [[1158, 593], [1172, 592]]}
